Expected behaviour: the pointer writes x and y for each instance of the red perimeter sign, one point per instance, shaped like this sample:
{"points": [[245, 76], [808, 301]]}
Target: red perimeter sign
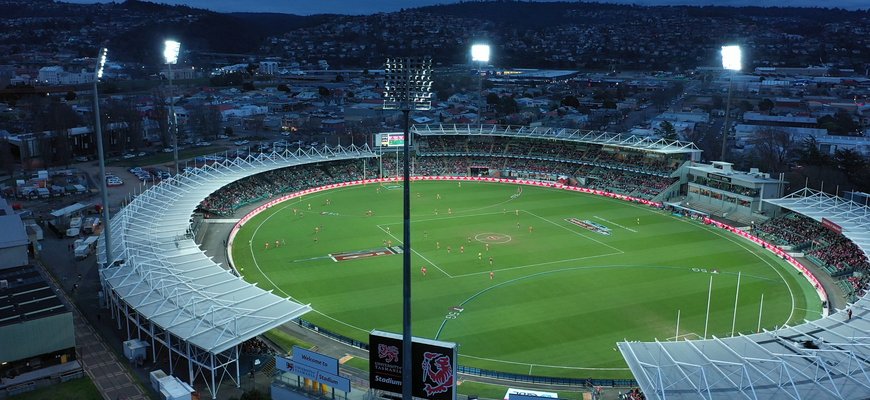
{"points": [[831, 225], [433, 362]]}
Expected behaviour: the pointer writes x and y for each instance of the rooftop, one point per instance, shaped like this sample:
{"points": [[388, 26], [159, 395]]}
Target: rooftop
{"points": [[28, 296], [13, 233]]}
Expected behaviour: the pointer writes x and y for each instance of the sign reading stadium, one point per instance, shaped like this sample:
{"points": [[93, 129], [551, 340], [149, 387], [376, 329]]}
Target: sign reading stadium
{"points": [[433, 362]]}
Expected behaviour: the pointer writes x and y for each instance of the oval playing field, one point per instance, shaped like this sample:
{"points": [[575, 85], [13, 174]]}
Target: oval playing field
{"points": [[532, 281]]}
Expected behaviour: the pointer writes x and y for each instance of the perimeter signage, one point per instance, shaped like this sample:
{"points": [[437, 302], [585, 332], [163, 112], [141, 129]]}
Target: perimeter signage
{"points": [[315, 360], [433, 362], [832, 225], [308, 372]]}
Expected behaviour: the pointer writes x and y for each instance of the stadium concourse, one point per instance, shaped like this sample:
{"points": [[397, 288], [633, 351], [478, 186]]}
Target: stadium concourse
{"points": [[826, 358], [161, 283]]}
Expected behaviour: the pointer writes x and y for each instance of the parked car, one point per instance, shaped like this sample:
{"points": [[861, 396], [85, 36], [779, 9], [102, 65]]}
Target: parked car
{"points": [[168, 150], [128, 156]]}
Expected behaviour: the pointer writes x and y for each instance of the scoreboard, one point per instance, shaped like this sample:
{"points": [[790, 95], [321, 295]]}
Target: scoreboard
{"points": [[391, 139]]}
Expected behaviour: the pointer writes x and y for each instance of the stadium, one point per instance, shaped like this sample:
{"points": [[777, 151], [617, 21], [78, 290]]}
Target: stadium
{"points": [[548, 255]]}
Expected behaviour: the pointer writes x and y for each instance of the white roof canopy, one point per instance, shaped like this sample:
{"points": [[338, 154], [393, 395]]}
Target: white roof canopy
{"points": [[170, 281], [662, 146]]}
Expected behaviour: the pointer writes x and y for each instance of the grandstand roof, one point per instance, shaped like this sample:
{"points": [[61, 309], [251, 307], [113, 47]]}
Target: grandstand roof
{"points": [[662, 146], [853, 217], [822, 359], [164, 275]]}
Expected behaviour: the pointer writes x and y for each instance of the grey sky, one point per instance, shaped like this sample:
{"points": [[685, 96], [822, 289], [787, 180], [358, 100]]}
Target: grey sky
{"points": [[305, 7]]}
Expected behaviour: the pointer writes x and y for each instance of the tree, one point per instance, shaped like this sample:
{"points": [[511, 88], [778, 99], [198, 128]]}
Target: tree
{"points": [[809, 153], [283, 88], [854, 166], [667, 131], [323, 91], [228, 131], [765, 105], [507, 105], [570, 101], [70, 96], [339, 78], [773, 148], [492, 98]]}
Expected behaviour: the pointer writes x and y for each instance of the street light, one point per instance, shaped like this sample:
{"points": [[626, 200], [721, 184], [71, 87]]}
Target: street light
{"points": [[170, 53], [731, 61], [408, 86], [480, 54], [98, 73]]}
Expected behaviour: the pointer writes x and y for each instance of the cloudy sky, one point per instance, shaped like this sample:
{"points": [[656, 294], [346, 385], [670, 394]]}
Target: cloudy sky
{"points": [[305, 7]]}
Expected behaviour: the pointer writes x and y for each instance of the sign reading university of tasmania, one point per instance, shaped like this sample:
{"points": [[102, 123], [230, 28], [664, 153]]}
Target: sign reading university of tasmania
{"points": [[433, 366]]}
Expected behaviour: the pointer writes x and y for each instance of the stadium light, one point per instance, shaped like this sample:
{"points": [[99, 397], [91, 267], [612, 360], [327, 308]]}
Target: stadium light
{"points": [[170, 51], [480, 53], [101, 62], [731, 57], [98, 130], [731, 61], [408, 86]]}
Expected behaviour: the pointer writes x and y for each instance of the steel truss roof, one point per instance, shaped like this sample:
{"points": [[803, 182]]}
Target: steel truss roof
{"points": [[662, 146], [853, 217], [827, 358], [158, 270]]}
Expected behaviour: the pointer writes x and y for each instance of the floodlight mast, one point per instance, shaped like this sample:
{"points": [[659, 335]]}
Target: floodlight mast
{"points": [[408, 87], [480, 54], [171, 49], [98, 130], [731, 61]]}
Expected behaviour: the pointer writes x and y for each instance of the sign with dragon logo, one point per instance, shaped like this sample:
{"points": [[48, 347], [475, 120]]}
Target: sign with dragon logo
{"points": [[433, 363]]}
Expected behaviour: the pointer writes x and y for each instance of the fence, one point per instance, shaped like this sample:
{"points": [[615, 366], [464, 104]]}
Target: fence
{"points": [[541, 380]]}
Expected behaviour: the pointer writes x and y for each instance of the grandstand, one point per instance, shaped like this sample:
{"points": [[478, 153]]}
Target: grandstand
{"points": [[624, 165], [162, 286]]}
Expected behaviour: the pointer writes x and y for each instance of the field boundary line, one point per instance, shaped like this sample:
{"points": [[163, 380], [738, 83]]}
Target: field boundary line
{"points": [[278, 288], [767, 262], [573, 231], [415, 251]]}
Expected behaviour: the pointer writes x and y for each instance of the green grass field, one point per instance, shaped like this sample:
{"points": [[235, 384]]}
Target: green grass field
{"points": [[560, 295]]}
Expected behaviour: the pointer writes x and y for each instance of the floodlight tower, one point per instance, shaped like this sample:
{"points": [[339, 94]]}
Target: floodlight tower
{"points": [[98, 127], [170, 53], [480, 54], [731, 61], [408, 87]]}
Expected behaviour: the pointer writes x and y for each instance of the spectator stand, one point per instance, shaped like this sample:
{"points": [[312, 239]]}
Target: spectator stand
{"points": [[171, 294]]}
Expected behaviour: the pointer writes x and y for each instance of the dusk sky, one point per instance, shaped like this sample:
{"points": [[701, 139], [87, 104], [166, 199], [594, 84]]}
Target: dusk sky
{"points": [[305, 7]]}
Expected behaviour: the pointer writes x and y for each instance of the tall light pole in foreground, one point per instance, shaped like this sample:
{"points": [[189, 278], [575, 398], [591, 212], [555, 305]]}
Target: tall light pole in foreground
{"points": [[170, 53], [731, 60], [408, 87], [480, 54], [98, 126]]}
